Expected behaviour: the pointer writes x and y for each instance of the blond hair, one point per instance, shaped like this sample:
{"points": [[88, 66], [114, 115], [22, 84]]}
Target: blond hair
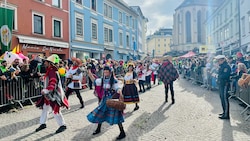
{"points": [[242, 66]]}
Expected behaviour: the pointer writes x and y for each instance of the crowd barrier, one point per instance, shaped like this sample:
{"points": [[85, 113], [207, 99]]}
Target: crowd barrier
{"points": [[208, 79], [19, 91]]}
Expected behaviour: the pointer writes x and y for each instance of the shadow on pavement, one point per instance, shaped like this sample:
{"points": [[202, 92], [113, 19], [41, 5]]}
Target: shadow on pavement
{"points": [[213, 98], [45, 137], [13, 128], [146, 122]]}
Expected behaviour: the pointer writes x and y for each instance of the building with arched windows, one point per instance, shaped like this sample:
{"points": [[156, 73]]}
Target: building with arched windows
{"points": [[189, 31]]}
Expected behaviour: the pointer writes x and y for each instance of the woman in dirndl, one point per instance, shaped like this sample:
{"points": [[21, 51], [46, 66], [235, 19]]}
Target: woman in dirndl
{"points": [[130, 90], [103, 113]]}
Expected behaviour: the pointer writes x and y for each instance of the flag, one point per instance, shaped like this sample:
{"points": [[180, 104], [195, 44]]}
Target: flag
{"points": [[6, 26]]}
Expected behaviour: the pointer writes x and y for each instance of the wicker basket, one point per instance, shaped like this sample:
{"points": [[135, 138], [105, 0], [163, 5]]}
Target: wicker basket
{"points": [[116, 104]]}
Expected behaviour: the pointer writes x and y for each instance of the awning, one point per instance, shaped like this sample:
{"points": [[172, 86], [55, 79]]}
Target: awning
{"points": [[189, 54], [122, 52], [43, 42], [87, 48]]}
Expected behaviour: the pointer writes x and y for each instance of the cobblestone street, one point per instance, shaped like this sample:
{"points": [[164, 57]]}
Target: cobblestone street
{"points": [[194, 117]]}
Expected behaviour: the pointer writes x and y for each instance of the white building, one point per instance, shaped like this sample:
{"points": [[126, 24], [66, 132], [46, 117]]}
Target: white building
{"points": [[189, 18], [223, 28], [245, 25]]}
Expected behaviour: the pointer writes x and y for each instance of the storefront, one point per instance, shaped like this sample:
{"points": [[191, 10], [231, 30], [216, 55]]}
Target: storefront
{"points": [[43, 47], [84, 52]]}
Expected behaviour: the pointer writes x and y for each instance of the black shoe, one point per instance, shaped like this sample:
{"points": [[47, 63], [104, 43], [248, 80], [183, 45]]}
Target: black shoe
{"points": [[140, 91], [143, 91], [173, 101], [136, 108], [82, 106], [96, 132], [121, 136], [41, 127], [224, 117], [221, 114], [61, 129]]}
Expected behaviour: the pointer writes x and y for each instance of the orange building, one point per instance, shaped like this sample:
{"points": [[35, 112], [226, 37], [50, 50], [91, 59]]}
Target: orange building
{"points": [[41, 26]]}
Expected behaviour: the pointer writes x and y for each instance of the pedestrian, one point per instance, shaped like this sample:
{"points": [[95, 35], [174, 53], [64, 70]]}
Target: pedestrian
{"points": [[130, 90], [224, 83], [51, 99], [167, 73], [103, 113], [74, 77]]}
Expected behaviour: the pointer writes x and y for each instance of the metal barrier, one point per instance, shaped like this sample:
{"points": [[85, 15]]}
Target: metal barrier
{"points": [[208, 79], [18, 91]]}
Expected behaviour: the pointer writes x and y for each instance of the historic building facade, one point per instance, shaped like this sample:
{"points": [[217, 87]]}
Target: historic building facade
{"points": [[189, 32], [40, 26]]}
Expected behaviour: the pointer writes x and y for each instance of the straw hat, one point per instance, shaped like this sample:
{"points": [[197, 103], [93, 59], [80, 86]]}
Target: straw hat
{"points": [[131, 64], [167, 57], [54, 59], [78, 61]]}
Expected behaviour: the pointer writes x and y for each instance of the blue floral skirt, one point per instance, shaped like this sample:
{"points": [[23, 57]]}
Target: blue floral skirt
{"points": [[103, 113]]}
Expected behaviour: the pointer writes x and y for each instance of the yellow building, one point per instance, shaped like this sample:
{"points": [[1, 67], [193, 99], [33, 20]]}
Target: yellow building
{"points": [[157, 45]]}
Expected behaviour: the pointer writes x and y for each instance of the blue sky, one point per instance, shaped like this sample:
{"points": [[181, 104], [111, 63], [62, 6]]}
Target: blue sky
{"points": [[159, 12]]}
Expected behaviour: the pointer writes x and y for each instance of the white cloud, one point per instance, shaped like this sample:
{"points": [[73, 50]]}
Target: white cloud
{"points": [[159, 12]]}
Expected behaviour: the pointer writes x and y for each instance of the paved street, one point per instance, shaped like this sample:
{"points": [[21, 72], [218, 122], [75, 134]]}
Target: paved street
{"points": [[194, 117]]}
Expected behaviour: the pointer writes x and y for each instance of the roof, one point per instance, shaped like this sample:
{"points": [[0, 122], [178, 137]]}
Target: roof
{"points": [[187, 3]]}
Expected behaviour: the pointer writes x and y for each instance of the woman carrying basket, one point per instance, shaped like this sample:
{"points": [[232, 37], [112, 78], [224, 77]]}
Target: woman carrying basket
{"points": [[104, 113]]}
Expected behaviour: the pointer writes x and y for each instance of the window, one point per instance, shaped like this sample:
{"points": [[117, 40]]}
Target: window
{"points": [[108, 34], [249, 23], [79, 2], [127, 20], [159, 45], [94, 31], [105, 12], [120, 17], [188, 27], [243, 26], [79, 25], [133, 23], [120, 39], [57, 26], [56, 3], [225, 14], [93, 5], [159, 40], [38, 24], [165, 40], [110, 12], [165, 45], [106, 30], [127, 40]]}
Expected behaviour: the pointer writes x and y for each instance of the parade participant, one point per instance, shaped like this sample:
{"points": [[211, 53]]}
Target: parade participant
{"points": [[74, 78], [154, 67], [130, 90], [168, 74], [148, 76], [50, 98], [141, 71], [224, 81], [62, 73], [103, 113]]}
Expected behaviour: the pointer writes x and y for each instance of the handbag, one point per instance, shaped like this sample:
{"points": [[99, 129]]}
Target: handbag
{"points": [[117, 104]]}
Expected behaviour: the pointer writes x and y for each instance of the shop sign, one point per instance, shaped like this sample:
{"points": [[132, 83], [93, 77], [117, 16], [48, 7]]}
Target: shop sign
{"points": [[44, 48]]}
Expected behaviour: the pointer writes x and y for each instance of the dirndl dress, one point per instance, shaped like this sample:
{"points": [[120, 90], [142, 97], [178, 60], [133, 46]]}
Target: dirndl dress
{"points": [[103, 113], [129, 91]]}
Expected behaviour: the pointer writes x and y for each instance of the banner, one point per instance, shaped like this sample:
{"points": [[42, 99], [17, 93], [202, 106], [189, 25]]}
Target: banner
{"points": [[6, 26]]}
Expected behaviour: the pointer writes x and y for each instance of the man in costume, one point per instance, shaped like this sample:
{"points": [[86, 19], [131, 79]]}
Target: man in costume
{"points": [[74, 78], [52, 95]]}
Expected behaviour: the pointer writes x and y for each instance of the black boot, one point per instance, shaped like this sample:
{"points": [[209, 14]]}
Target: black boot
{"points": [[173, 100], [136, 107], [61, 129], [82, 105], [98, 129], [122, 133], [41, 127]]}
